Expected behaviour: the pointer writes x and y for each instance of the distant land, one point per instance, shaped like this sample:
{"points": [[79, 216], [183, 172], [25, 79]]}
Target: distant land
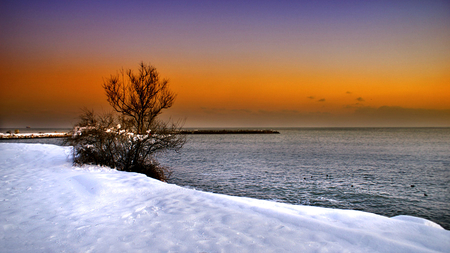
{"points": [[17, 134], [229, 131]]}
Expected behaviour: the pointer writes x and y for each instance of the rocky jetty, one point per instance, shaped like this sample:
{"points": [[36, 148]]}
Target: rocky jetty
{"points": [[230, 131]]}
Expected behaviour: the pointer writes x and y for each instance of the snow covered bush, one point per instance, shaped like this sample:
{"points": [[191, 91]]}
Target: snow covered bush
{"points": [[107, 140], [129, 140]]}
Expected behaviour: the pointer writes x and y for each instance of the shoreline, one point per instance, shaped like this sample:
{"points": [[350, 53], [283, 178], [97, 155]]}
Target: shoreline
{"points": [[9, 136], [58, 142], [43, 188], [32, 136]]}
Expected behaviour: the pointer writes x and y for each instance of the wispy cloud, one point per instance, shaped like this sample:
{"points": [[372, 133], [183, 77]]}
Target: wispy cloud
{"points": [[311, 97], [399, 116], [214, 110], [360, 99], [321, 100], [355, 116]]}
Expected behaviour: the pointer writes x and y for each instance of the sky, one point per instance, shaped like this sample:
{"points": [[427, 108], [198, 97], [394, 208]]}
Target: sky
{"points": [[232, 63]]}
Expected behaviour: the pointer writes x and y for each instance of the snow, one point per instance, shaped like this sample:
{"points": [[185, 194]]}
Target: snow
{"points": [[48, 205], [32, 135]]}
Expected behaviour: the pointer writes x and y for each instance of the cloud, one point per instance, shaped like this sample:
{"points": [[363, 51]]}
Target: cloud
{"points": [[354, 116], [227, 118], [360, 99], [348, 92], [39, 118], [396, 116], [213, 110], [311, 97], [321, 100]]}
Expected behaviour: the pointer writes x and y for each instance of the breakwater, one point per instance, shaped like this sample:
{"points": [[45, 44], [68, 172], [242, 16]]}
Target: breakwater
{"points": [[33, 136], [203, 131], [228, 131]]}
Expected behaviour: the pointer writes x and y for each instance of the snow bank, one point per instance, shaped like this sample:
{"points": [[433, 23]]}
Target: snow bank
{"points": [[47, 205], [33, 135]]}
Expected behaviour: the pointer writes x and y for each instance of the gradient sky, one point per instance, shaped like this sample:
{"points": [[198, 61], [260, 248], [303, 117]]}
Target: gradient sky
{"points": [[232, 63]]}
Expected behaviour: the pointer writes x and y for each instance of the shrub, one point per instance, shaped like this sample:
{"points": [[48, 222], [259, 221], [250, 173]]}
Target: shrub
{"points": [[107, 140], [129, 141]]}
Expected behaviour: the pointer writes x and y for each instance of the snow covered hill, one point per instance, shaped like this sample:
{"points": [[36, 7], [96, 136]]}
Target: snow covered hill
{"points": [[47, 205]]}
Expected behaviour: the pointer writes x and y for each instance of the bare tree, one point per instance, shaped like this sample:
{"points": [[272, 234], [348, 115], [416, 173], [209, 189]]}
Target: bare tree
{"points": [[129, 141], [141, 96]]}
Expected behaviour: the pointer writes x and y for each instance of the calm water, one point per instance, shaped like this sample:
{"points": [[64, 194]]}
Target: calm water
{"points": [[385, 171]]}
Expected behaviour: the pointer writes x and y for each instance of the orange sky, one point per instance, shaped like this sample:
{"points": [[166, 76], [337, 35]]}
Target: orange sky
{"points": [[254, 64]]}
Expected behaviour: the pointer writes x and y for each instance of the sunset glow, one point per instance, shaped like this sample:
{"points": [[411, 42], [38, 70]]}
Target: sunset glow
{"points": [[232, 64]]}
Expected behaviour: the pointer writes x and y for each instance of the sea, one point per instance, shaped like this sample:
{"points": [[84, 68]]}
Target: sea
{"points": [[387, 171]]}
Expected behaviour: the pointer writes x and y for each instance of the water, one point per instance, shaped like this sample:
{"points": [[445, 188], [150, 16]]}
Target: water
{"points": [[388, 171]]}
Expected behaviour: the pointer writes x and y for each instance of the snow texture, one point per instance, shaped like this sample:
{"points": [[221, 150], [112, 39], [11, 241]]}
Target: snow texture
{"points": [[48, 205], [32, 135]]}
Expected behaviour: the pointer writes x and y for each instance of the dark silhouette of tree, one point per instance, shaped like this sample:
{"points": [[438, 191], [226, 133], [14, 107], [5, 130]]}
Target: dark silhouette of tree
{"points": [[130, 140], [141, 96]]}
